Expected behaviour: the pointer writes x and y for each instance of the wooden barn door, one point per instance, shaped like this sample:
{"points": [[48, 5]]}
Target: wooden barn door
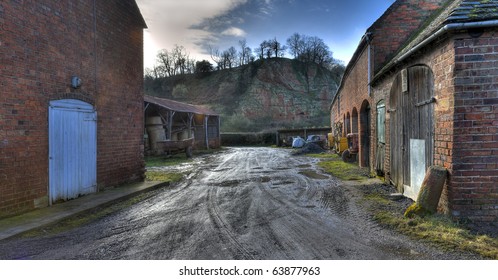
{"points": [[396, 134], [72, 149], [412, 128]]}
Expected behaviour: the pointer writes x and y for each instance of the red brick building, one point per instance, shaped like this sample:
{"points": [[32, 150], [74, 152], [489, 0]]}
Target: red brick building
{"points": [[71, 106], [429, 99]]}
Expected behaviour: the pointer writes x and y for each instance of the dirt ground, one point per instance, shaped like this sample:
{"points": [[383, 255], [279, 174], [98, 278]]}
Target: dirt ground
{"points": [[241, 203]]}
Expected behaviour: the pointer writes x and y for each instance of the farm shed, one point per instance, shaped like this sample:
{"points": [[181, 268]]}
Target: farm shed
{"points": [[169, 120], [71, 107], [432, 99]]}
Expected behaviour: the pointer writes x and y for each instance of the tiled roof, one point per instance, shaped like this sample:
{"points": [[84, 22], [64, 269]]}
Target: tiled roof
{"points": [[179, 106], [458, 14], [471, 11]]}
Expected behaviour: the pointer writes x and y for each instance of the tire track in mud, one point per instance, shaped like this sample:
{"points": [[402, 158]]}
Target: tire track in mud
{"points": [[288, 237], [226, 232]]}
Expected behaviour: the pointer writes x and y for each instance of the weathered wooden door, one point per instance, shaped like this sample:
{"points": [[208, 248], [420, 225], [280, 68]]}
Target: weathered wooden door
{"points": [[412, 128], [72, 149]]}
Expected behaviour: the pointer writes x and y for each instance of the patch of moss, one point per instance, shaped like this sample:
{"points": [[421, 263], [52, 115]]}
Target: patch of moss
{"points": [[162, 176], [325, 156], [342, 170], [377, 198], [416, 210]]}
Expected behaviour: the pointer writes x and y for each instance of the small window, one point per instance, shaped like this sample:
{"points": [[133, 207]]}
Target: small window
{"points": [[381, 122]]}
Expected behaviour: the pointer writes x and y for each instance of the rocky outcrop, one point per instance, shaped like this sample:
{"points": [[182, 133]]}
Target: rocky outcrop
{"points": [[263, 95]]}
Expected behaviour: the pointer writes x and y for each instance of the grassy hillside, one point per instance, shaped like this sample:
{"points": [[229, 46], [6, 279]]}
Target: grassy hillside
{"points": [[264, 95]]}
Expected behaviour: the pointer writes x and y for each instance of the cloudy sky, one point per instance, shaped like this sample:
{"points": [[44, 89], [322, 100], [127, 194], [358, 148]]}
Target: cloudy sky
{"points": [[200, 24]]}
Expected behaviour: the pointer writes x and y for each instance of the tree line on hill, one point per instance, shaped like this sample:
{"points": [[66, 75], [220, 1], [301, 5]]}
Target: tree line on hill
{"points": [[308, 49]]}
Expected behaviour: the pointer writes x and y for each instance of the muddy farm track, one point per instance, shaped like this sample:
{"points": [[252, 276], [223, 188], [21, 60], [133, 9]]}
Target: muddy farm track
{"points": [[242, 203]]}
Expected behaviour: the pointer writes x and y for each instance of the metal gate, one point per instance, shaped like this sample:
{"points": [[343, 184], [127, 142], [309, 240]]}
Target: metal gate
{"points": [[72, 149], [412, 128]]}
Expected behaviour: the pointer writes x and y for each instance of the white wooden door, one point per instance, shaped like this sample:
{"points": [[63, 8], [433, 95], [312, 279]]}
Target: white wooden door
{"points": [[72, 149]]}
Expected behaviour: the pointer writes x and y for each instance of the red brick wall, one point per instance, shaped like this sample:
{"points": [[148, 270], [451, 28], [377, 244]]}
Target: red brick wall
{"points": [[43, 44], [466, 133], [388, 34], [355, 91], [397, 24], [473, 192], [465, 74]]}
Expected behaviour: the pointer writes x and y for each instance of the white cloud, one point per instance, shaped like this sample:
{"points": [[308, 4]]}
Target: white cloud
{"points": [[169, 23], [234, 31]]}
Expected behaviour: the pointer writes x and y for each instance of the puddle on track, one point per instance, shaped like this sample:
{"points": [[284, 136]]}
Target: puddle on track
{"points": [[313, 175]]}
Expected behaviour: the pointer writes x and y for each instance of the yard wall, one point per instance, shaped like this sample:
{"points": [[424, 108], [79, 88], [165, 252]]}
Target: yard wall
{"points": [[42, 45]]}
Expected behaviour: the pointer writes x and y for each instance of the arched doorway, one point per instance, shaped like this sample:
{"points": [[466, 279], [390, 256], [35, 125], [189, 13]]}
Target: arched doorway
{"points": [[347, 124], [354, 121], [412, 128], [365, 131]]}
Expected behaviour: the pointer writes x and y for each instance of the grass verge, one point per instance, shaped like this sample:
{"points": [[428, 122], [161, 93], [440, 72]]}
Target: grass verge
{"points": [[176, 159], [443, 232], [86, 217], [162, 176], [437, 229], [335, 166]]}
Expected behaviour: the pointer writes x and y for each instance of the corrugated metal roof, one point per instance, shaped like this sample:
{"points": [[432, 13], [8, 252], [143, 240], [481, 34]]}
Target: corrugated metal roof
{"points": [[179, 106]]}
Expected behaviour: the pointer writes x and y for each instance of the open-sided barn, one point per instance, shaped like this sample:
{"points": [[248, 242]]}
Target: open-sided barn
{"points": [[168, 121]]}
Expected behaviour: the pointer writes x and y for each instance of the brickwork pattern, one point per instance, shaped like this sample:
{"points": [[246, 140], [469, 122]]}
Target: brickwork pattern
{"points": [[43, 44], [474, 184], [392, 30]]}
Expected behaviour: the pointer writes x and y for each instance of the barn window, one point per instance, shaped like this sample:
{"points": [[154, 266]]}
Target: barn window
{"points": [[381, 122]]}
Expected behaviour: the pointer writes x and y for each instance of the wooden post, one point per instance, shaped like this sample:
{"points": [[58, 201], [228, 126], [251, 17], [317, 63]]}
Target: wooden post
{"points": [[170, 123], [190, 118], [430, 193], [432, 187], [206, 118]]}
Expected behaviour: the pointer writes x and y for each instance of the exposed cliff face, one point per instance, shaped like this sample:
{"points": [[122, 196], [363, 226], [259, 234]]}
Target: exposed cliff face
{"points": [[269, 94]]}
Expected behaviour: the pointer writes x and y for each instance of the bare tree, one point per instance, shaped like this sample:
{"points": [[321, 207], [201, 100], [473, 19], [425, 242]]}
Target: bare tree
{"points": [[181, 60], [277, 49], [244, 53], [174, 62], [309, 49], [296, 44], [217, 57], [165, 63], [231, 57]]}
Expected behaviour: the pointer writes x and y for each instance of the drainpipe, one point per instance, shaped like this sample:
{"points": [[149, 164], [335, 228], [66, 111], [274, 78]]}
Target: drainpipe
{"points": [[369, 50], [95, 46]]}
